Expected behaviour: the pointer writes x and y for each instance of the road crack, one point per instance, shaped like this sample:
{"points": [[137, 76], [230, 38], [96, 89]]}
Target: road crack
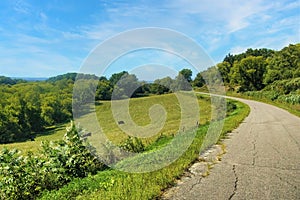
{"points": [[235, 183], [197, 182], [254, 152]]}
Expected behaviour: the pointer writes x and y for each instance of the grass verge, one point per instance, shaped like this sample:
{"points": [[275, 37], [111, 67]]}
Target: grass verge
{"points": [[113, 184]]}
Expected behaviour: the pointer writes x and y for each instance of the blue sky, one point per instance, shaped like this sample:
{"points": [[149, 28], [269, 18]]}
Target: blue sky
{"points": [[47, 38]]}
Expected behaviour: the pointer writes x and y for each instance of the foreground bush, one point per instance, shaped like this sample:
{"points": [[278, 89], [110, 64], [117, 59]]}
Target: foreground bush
{"points": [[25, 177]]}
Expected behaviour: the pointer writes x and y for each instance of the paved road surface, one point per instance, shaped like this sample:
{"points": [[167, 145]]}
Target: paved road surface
{"points": [[262, 160]]}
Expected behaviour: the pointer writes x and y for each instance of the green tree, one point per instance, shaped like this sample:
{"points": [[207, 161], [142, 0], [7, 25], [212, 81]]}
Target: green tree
{"points": [[126, 87], [199, 80], [187, 74], [104, 90], [181, 83], [229, 58], [284, 64], [7, 80], [167, 81], [224, 68], [116, 77], [251, 72]]}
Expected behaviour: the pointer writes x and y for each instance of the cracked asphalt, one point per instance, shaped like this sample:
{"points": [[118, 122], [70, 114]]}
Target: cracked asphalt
{"points": [[262, 160]]}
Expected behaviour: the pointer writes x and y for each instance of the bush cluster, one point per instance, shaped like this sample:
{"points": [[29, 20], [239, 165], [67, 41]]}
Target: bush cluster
{"points": [[292, 98], [26, 176]]}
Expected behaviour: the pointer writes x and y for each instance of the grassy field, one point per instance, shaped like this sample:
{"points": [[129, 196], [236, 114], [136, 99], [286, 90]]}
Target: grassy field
{"points": [[139, 111], [53, 133], [114, 184]]}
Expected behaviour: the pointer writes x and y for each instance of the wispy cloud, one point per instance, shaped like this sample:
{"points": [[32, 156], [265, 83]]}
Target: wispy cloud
{"points": [[231, 14], [21, 6]]}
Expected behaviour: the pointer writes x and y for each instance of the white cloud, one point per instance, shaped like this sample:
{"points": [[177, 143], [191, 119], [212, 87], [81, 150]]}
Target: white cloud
{"points": [[71, 35], [231, 14], [43, 17], [22, 7]]}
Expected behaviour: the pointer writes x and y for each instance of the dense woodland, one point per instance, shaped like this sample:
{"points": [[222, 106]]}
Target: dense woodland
{"points": [[27, 108]]}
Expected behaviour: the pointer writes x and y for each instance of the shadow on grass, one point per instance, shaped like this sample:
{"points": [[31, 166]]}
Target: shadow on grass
{"points": [[52, 129]]}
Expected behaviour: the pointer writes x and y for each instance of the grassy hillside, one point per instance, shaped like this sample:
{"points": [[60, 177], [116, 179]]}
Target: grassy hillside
{"points": [[139, 108], [139, 112]]}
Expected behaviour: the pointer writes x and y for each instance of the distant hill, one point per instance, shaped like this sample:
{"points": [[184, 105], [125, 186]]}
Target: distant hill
{"points": [[4, 80], [30, 79], [10, 81], [72, 76]]}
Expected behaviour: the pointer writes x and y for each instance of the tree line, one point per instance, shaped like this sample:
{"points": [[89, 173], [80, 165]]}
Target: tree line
{"points": [[27, 108]]}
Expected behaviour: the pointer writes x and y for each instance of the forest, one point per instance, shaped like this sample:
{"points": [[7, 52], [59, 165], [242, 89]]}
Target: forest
{"points": [[28, 108]]}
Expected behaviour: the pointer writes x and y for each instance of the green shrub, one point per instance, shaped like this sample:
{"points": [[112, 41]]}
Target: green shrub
{"points": [[285, 86], [25, 177], [133, 144], [290, 98], [22, 177]]}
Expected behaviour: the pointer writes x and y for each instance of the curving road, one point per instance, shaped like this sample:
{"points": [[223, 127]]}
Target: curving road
{"points": [[262, 160]]}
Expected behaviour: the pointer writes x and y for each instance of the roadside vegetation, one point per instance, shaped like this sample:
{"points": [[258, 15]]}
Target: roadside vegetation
{"points": [[114, 184], [282, 101]]}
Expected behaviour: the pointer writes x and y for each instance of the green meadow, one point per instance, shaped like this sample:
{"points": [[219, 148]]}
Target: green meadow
{"points": [[51, 134], [139, 111]]}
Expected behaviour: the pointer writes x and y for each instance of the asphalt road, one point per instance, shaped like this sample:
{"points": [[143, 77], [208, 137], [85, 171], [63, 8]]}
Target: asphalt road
{"points": [[262, 160]]}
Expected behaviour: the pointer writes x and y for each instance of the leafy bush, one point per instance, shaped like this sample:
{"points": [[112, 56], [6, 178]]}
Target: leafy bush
{"points": [[271, 95], [133, 144], [285, 86], [25, 177], [22, 177], [72, 154], [290, 98]]}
